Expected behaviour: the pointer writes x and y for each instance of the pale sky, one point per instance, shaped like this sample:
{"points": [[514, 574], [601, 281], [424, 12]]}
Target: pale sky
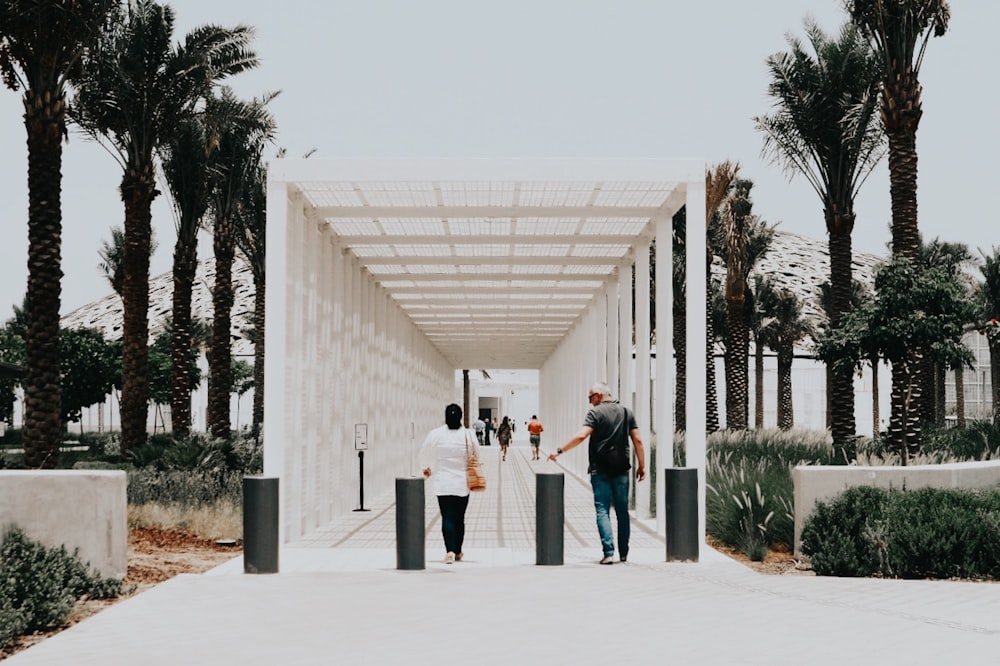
{"points": [[540, 78]]}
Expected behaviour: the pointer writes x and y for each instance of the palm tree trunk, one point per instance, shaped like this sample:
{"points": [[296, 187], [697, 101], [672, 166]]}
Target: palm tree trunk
{"points": [[220, 379], [876, 416], [138, 191], [680, 373], [905, 417], [260, 291], [960, 396], [840, 224], [711, 392], [786, 419], [758, 386], [737, 355], [995, 378], [939, 378], [901, 111], [185, 264], [45, 122]]}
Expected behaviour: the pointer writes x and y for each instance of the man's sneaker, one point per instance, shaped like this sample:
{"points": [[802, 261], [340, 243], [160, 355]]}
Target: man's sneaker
{"points": [[607, 559], [449, 558], [624, 559], [458, 557]]}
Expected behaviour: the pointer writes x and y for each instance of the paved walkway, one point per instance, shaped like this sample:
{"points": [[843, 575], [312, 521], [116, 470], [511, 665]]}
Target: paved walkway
{"points": [[340, 600]]}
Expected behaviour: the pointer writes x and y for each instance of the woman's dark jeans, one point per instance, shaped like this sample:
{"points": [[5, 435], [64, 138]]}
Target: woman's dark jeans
{"points": [[453, 521]]}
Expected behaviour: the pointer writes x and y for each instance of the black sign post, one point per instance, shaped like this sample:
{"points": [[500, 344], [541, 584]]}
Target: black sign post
{"points": [[361, 444]]}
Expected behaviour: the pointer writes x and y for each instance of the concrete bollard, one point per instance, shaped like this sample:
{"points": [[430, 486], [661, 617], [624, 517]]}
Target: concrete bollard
{"points": [[260, 525], [410, 531], [681, 497], [550, 515]]}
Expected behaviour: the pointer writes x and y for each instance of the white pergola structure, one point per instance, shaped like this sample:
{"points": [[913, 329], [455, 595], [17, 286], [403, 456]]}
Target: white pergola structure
{"points": [[385, 276]]}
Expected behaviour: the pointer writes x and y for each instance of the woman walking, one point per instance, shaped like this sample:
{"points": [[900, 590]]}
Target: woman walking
{"points": [[443, 459], [503, 436]]}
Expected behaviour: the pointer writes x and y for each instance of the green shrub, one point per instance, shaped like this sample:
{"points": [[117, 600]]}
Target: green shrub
{"points": [[40, 585], [979, 440], [926, 533], [183, 488], [102, 444], [200, 452], [943, 534], [845, 537]]}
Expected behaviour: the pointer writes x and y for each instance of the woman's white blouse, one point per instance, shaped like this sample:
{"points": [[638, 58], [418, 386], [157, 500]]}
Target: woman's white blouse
{"points": [[444, 451]]}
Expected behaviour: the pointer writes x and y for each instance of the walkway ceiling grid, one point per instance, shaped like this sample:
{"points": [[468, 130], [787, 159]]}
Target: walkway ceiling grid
{"points": [[493, 260]]}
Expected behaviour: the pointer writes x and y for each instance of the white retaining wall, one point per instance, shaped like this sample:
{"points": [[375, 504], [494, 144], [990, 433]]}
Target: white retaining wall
{"points": [[81, 509], [815, 483]]}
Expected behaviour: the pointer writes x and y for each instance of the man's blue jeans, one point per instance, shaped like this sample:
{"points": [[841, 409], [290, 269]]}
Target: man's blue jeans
{"points": [[610, 490]]}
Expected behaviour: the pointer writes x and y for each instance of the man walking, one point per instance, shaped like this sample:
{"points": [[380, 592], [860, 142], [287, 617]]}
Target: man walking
{"points": [[479, 427], [609, 426], [535, 435]]}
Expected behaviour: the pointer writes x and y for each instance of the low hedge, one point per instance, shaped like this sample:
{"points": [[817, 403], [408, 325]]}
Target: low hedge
{"points": [[40, 585], [925, 533]]}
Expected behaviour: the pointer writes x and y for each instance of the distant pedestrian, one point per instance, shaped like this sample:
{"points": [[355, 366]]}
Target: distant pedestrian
{"points": [[443, 460], [503, 436], [609, 426], [490, 427], [535, 435], [479, 426]]}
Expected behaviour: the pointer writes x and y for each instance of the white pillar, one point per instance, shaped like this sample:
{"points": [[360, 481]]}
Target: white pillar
{"points": [[663, 417], [695, 418], [279, 209], [614, 352], [642, 362], [625, 360]]}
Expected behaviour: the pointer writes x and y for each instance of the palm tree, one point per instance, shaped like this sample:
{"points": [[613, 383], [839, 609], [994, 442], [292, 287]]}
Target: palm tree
{"points": [[900, 31], [718, 182], [746, 240], [988, 294], [825, 128], [184, 159], [789, 327], [41, 42], [135, 87], [240, 132]]}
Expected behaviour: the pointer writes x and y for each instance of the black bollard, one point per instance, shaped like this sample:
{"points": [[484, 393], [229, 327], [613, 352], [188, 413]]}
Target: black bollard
{"points": [[410, 531], [549, 518], [260, 525], [681, 497]]}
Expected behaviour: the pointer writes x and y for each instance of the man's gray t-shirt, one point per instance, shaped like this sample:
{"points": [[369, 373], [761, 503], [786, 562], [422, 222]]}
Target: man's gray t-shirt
{"points": [[611, 423]]}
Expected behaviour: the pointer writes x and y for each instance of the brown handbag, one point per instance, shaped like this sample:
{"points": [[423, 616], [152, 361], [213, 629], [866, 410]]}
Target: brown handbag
{"points": [[474, 469]]}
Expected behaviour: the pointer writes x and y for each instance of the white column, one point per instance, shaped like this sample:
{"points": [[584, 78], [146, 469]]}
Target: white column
{"points": [[275, 335], [694, 437], [663, 417], [642, 362], [626, 364], [614, 351]]}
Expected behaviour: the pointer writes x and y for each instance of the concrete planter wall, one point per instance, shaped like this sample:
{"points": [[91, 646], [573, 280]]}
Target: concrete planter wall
{"points": [[80, 509], [815, 483]]}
